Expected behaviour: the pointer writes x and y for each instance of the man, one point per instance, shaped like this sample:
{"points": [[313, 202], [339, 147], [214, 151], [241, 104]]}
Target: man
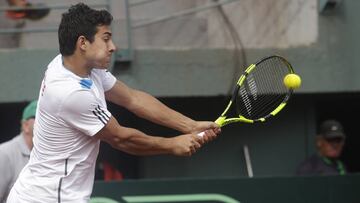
{"points": [[72, 115], [14, 154], [330, 143]]}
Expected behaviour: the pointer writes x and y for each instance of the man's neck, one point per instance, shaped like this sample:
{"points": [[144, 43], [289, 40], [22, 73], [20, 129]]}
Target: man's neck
{"points": [[76, 65]]}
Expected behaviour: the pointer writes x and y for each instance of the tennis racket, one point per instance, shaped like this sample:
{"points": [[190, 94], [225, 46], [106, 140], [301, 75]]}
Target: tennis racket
{"points": [[260, 92]]}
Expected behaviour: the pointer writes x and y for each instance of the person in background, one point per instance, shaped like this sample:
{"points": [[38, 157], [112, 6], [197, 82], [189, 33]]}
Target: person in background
{"points": [[14, 154], [329, 142], [26, 10], [16, 13]]}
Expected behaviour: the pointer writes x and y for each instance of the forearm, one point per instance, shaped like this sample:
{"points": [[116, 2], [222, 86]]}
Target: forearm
{"points": [[150, 108], [138, 143], [133, 141]]}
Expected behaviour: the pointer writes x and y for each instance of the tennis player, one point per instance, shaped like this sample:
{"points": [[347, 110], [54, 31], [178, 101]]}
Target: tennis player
{"points": [[72, 116]]}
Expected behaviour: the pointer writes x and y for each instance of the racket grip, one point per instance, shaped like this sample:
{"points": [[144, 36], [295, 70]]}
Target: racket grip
{"points": [[220, 121]]}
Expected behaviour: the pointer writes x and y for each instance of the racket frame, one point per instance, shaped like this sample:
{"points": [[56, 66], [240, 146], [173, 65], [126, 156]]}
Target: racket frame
{"points": [[223, 120]]}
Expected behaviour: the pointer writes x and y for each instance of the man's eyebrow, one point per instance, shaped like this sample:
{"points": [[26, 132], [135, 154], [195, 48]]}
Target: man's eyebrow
{"points": [[107, 33]]}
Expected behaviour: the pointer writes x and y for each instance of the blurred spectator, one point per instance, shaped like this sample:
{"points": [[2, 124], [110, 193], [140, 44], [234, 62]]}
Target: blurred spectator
{"points": [[14, 154], [107, 171], [27, 10], [9, 40], [107, 164], [14, 18], [329, 143]]}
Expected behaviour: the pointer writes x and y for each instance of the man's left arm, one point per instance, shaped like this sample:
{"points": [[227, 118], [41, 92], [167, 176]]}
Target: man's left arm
{"points": [[148, 107]]}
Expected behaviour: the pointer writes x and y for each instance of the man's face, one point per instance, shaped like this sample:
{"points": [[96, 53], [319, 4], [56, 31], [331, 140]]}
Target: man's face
{"points": [[98, 53], [28, 126], [331, 148]]}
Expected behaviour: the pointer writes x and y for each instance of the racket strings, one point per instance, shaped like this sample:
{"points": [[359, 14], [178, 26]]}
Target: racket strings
{"points": [[273, 89], [263, 89], [271, 86]]}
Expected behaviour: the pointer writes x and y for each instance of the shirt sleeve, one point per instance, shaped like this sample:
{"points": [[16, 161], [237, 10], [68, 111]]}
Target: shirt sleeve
{"points": [[108, 80], [83, 111]]}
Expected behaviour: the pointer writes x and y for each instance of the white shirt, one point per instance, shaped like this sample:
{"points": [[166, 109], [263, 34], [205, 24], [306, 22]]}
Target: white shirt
{"points": [[70, 111]]}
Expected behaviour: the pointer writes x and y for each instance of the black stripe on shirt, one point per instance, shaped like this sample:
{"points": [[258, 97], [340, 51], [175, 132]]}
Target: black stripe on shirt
{"points": [[99, 109], [59, 190], [101, 114], [60, 181], [99, 117]]}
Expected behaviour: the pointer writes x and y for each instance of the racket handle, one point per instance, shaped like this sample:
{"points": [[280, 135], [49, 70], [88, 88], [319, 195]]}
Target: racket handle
{"points": [[220, 121]]}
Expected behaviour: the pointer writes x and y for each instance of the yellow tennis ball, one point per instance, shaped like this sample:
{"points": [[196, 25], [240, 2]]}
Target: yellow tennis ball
{"points": [[292, 81]]}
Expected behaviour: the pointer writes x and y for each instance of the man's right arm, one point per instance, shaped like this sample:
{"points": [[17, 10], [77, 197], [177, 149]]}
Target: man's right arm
{"points": [[150, 108], [136, 142]]}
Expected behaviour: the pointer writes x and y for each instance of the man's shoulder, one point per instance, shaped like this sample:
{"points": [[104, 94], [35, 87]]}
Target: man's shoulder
{"points": [[101, 73], [10, 146], [61, 85], [311, 160], [10, 143], [308, 165], [57, 60]]}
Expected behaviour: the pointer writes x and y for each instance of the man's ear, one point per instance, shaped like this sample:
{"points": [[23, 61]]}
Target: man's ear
{"points": [[81, 43]]}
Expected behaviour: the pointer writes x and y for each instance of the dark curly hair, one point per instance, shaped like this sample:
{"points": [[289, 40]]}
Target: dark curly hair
{"points": [[80, 20]]}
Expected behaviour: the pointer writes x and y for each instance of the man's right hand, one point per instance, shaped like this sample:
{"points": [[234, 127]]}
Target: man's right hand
{"points": [[185, 145]]}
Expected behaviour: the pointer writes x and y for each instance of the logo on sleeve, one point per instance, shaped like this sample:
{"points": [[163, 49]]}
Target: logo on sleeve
{"points": [[86, 83]]}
